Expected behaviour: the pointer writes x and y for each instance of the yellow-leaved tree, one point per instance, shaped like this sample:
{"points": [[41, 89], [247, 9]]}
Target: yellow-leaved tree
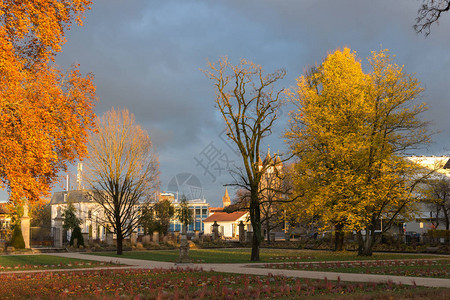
{"points": [[349, 132]]}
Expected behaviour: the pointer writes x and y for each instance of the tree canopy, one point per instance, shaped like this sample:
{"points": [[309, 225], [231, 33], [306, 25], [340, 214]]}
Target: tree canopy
{"points": [[45, 113], [157, 216], [437, 193], [71, 221], [349, 132], [122, 170], [183, 214]]}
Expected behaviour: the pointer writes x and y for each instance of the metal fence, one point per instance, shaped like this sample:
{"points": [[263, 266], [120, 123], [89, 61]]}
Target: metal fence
{"points": [[41, 237]]}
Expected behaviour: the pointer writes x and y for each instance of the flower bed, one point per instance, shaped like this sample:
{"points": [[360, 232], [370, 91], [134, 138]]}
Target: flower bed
{"points": [[417, 268], [186, 284], [290, 258]]}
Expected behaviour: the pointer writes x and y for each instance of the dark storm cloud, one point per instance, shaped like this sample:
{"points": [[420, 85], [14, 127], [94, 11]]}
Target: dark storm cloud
{"points": [[146, 56]]}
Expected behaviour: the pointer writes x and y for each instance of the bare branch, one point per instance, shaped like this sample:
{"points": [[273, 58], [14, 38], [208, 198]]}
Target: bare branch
{"points": [[249, 108], [429, 13]]}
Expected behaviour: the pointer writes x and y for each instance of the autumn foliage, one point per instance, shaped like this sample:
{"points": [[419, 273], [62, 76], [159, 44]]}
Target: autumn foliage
{"points": [[350, 132], [45, 112], [122, 171]]}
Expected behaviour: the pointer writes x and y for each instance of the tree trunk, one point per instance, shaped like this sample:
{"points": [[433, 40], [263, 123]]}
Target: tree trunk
{"points": [[268, 231], [365, 243], [255, 247], [338, 238], [437, 218], [446, 216], [119, 245], [255, 218], [119, 240]]}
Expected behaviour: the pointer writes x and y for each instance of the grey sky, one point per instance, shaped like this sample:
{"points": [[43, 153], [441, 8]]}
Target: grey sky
{"points": [[146, 56]]}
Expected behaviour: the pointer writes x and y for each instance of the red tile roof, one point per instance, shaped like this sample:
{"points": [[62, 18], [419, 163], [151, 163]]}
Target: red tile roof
{"points": [[4, 208], [225, 217], [215, 209]]}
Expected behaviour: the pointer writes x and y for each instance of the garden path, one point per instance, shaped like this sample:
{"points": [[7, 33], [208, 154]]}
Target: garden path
{"points": [[254, 270]]}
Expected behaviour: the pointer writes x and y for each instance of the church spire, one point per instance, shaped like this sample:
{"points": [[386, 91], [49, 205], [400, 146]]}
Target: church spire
{"points": [[268, 160], [226, 199]]}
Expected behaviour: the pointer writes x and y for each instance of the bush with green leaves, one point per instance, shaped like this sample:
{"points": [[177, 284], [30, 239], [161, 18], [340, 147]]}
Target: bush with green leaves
{"points": [[17, 240], [76, 234], [71, 221], [183, 213]]}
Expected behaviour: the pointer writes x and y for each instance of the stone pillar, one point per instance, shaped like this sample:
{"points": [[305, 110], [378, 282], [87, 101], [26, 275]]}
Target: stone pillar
{"points": [[58, 233], [133, 239], [25, 224], [156, 237], [184, 247], [85, 238], [241, 232], [215, 231], [249, 236], [109, 238], [146, 239], [287, 236], [272, 236]]}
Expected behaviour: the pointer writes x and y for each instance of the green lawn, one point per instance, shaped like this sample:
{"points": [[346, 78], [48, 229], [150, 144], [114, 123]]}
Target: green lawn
{"points": [[243, 255], [39, 262], [436, 268]]}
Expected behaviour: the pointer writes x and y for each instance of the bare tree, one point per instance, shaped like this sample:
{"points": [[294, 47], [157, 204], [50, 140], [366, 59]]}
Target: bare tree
{"points": [[122, 170], [249, 105], [437, 192], [275, 190], [429, 13]]}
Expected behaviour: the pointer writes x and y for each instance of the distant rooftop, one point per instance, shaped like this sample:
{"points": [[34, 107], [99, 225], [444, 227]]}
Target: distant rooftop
{"points": [[75, 196], [225, 217], [4, 208]]}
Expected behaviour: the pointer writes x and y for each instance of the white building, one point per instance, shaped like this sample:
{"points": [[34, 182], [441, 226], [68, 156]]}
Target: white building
{"points": [[440, 166], [88, 211], [198, 207], [228, 223]]}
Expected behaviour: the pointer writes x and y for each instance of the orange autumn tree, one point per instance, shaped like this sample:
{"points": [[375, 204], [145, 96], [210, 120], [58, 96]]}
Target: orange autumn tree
{"points": [[45, 113]]}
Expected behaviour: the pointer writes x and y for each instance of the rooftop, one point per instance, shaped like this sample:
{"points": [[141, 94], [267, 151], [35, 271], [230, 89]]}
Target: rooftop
{"points": [[4, 208], [225, 217]]}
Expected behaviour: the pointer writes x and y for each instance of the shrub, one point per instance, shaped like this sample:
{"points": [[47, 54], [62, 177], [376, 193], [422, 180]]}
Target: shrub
{"points": [[76, 234], [17, 239], [439, 233]]}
